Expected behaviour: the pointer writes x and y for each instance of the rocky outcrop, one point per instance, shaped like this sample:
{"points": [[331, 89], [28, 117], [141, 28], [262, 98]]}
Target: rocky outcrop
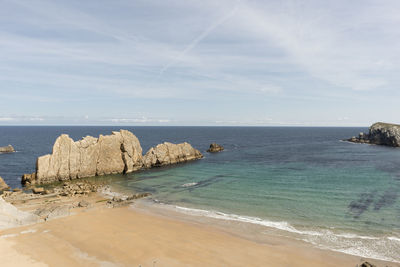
{"points": [[380, 134], [214, 147], [10, 216], [7, 149], [28, 179], [3, 185], [168, 153], [119, 152]]}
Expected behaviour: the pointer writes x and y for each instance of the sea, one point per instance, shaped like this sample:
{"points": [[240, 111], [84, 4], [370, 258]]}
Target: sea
{"points": [[301, 182]]}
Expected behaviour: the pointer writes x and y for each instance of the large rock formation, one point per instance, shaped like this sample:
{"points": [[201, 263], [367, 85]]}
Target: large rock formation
{"points": [[119, 152], [380, 133], [3, 185], [116, 153], [6, 149], [168, 153]]}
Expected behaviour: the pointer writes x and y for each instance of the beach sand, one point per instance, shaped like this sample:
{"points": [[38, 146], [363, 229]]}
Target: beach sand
{"points": [[128, 237]]}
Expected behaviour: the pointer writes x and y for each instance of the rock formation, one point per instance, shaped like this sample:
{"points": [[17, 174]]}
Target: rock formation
{"points": [[116, 153], [7, 149], [380, 134], [214, 147], [168, 153], [119, 152], [3, 185]]}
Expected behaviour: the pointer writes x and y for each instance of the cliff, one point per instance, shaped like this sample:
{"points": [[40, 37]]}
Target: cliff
{"points": [[380, 133], [119, 152]]}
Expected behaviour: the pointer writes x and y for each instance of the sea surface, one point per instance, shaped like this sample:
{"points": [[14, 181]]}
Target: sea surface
{"points": [[302, 182]]}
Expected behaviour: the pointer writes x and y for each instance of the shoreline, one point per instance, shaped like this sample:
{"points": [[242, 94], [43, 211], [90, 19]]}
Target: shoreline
{"points": [[131, 235], [251, 228]]}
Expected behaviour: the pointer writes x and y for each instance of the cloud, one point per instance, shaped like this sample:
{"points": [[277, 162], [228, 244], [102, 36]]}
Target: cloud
{"points": [[329, 42], [199, 38], [343, 118], [138, 120], [6, 119], [20, 119], [217, 60]]}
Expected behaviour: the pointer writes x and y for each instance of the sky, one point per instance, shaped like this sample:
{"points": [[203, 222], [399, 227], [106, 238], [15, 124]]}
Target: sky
{"points": [[205, 62]]}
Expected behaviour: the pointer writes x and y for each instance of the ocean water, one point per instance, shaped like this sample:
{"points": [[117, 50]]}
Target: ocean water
{"points": [[300, 182]]}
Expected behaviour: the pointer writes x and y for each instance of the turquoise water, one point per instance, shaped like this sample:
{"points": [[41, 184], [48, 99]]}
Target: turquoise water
{"points": [[301, 182], [334, 194], [304, 196], [324, 206]]}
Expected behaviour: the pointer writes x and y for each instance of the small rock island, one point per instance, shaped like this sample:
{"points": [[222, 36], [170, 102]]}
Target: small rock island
{"points": [[214, 147], [119, 152], [7, 149], [380, 133]]}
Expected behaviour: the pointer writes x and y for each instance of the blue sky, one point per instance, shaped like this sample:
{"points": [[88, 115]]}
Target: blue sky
{"points": [[128, 62]]}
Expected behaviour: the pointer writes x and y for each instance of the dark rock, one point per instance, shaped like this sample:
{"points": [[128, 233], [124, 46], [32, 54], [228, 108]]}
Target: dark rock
{"points": [[380, 134], [17, 190], [117, 199], [138, 195], [7, 149], [214, 147], [28, 179], [367, 264]]}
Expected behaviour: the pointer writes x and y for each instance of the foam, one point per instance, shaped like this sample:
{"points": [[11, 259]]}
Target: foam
{"points": [[246, 219], [189, 184]]}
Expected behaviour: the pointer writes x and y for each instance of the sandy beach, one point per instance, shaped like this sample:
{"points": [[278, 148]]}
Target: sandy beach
{"points": [[123, 236]]}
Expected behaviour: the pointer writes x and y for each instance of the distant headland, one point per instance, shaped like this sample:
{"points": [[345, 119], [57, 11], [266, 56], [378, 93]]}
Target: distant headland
{"points": [[380, 133]]}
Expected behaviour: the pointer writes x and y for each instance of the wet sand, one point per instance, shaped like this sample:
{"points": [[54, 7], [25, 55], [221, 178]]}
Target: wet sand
{"points": [[126, 237]]}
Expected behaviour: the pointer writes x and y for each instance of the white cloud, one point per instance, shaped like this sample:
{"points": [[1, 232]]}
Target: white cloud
{"points": [[343, 119], [6, 119], [284, 58], [36, 119], [138, 120], [199, 38], [20, 119], [328, 43]]}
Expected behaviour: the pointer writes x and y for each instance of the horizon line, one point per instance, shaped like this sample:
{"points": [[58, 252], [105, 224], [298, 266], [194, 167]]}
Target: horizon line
{"points": [[120, 125]]}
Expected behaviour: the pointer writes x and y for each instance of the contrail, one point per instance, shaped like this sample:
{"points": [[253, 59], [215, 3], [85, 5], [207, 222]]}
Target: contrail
{"points": [[197, 40]]}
